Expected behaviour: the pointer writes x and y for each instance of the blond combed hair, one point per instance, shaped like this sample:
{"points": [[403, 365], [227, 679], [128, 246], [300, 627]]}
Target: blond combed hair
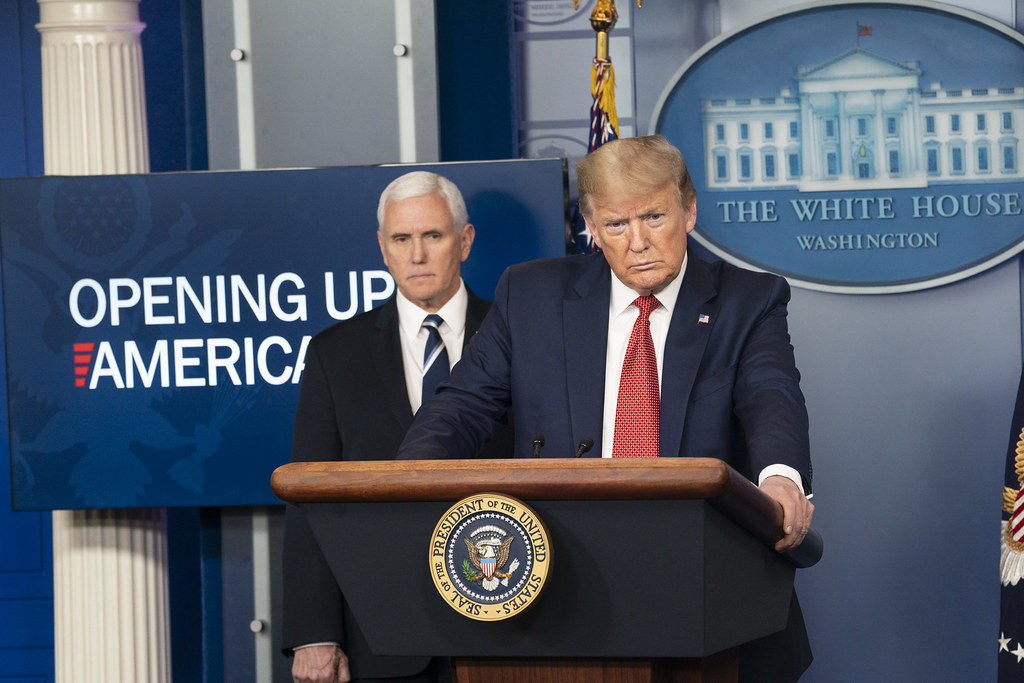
{"points": [[645, 163]]}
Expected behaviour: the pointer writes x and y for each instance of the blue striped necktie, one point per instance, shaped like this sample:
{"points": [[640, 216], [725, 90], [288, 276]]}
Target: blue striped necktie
{"points": [[435, 357]]}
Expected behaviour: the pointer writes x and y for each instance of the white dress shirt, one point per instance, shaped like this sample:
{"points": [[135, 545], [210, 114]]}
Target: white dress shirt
{"points": [[622, 315], [414, 338]]}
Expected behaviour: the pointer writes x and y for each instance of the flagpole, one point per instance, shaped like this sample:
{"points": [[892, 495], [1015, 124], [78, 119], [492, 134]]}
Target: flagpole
{"points": [[604, 121], [603, 19]]}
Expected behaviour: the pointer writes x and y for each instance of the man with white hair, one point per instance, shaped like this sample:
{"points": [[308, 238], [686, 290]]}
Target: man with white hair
{"points": [[364, 379]]}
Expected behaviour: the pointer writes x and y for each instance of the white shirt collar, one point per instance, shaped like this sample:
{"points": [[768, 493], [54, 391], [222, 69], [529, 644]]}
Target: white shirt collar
{"points": [[410, 316], [622, 296]]}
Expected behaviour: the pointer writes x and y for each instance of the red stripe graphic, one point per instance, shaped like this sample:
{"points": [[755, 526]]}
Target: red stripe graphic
{"points": [[82, 361]]}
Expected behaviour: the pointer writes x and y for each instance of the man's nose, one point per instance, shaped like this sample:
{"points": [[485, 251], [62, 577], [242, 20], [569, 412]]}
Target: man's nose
{"points": [[638, 237], [419, 253]]}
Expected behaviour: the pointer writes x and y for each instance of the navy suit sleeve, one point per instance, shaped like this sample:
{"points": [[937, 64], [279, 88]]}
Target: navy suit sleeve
{"points": [[767, 397], [471, 405], [312, 599]]}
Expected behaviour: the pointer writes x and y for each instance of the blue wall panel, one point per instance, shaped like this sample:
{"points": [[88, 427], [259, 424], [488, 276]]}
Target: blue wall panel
{"points": [[26, 564]]}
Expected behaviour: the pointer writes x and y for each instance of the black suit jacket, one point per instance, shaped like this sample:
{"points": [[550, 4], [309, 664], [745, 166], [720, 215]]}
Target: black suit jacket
{"points": [[353, 405]]}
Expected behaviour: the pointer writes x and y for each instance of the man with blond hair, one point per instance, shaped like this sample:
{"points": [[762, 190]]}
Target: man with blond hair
{"points": [[646, 350]]}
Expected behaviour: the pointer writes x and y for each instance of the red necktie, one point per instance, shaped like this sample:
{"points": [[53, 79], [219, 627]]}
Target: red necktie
{"points": [[638, 410]]}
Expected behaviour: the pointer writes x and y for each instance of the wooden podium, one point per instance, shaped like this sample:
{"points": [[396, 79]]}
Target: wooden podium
{"points": [[660, 568]]}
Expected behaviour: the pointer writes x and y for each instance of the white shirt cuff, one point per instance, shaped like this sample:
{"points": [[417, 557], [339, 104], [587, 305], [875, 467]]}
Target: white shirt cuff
{"points": [[302, 647], [783, 471]]}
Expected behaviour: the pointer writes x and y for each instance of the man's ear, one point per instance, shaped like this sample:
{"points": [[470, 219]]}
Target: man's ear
{"points": [[691, 215], [383, 251], [466, 239]]}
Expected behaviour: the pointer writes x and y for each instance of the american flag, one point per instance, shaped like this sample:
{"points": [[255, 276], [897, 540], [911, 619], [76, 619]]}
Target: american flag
{"points": [[1011, 561], [604, 121], [863, 30], [704, 318], [604, 127]]}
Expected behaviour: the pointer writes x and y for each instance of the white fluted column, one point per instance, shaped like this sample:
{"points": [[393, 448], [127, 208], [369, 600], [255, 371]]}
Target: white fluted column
{"points": [[110, 595], [111, 618], [94, 105]]}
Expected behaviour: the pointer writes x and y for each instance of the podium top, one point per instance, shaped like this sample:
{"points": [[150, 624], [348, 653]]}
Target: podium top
{"points": [[707, 479], [542, 478]]}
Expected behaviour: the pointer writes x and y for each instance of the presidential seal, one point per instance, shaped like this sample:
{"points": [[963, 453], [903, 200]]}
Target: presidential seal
{"points": [[489, 557]]}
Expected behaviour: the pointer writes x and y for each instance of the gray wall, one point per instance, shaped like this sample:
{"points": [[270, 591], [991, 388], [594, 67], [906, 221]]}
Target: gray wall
{"points": [[324, 82], [910, 398]]}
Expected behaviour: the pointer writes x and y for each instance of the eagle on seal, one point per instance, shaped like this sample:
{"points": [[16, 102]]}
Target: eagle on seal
{"points": [[488, 562]]}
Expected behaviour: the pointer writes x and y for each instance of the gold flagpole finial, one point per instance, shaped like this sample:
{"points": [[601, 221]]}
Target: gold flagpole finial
{"points": [[576, 4], [603, 20]]}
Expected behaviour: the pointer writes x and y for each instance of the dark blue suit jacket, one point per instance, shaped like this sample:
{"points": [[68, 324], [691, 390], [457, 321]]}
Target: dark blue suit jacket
{"points": [[729, 390]]}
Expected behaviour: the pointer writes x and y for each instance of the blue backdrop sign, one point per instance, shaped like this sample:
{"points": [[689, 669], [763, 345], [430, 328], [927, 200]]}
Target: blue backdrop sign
{"points": [[156, 325], [847, 147]]}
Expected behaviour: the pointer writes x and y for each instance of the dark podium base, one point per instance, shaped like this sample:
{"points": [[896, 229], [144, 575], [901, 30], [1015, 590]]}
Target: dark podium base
{"points": [[657, 562], [718, 668]]}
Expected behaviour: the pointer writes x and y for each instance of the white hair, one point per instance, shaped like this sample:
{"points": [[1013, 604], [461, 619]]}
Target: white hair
{"points": [[419, 184]]}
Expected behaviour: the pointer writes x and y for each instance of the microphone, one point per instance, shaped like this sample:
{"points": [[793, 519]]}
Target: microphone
{"points": [[584, 446], [538, 443]]}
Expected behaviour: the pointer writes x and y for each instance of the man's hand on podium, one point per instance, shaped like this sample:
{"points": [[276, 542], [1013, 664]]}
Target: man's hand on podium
{"points": [[796, 509], [320, 664]]}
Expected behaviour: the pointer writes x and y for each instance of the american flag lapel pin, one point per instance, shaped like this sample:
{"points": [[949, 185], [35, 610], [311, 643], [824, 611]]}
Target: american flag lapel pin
{"points": [[704, 318]]}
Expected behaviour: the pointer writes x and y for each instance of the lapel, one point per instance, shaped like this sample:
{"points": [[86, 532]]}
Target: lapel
{"points": [[684, 349], [387, 361], [585, 343], [476, 310]]}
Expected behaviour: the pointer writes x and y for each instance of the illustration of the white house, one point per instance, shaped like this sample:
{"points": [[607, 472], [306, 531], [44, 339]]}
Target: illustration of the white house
{"points": [[860, 121]]}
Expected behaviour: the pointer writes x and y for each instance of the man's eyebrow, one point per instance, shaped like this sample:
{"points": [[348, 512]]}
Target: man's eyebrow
{"points": [[655, 208]]}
